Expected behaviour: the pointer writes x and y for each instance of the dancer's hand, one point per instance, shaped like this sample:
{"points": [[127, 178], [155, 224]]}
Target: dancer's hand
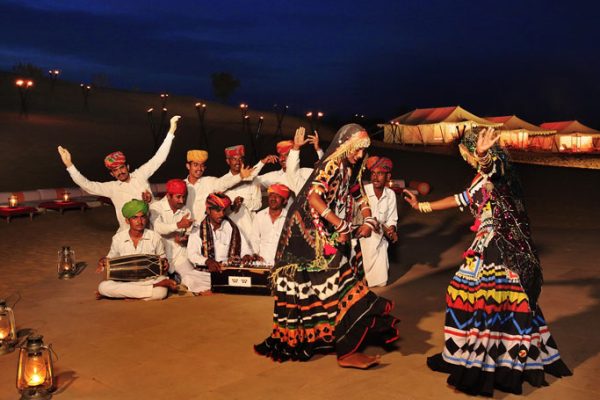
{"points": [[65, 156], [363, 231], [410, 198], [485, 140], [174, 121], [299, 139]]}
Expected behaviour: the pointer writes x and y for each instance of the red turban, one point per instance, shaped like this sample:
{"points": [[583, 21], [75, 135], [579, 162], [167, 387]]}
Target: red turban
{"points": [[176, 186], [284, 146], [279, 189], [379, 163], [235, 151], [114, 160], [218, 199]]}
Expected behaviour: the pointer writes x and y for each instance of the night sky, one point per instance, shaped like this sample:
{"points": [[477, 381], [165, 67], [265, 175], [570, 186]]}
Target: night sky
{"points": [[537, 59]]}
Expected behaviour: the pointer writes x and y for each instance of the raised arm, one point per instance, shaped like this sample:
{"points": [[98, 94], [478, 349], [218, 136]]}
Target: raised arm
{"points": [[441, 204], [97, 188], [150, 167]]}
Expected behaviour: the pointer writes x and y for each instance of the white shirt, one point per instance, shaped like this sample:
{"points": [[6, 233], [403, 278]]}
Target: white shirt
{"points": [[164, 222], [122, 192], [122, 244], [272, 177], [222, 239], [265, 235], [249, 191], [385, 209], [199, 191]]}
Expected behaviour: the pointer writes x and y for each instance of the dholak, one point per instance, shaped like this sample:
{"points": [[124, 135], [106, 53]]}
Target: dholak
{"points": [[133, 268], [238, 280]]}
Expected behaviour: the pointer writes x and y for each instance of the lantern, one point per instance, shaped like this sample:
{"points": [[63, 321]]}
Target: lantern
{"points": [[66, 263], [13, 201], [34, 372], [65, 196], [8, 336]]}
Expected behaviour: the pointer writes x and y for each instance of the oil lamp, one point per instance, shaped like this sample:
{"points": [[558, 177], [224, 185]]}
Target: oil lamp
{"points": [[65, 196], [13, 201], [8, 336], [66, 263], [34, 372]]}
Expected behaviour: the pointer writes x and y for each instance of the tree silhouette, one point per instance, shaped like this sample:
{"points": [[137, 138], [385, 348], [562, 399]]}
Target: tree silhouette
{"points": [[224, 84]]}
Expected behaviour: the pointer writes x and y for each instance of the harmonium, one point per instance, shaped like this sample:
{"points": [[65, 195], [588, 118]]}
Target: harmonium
{"points": [[242, 280]]}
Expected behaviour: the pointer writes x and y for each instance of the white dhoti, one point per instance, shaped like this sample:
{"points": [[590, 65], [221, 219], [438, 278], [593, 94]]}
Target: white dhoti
{"points": [[144, 289], [375, 259], [195, 280]]}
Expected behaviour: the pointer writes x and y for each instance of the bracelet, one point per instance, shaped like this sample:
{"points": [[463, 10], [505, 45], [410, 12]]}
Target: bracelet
{"points": [[372, 222], [484, 160], [342, 227], [425, 207], [325, 212]]}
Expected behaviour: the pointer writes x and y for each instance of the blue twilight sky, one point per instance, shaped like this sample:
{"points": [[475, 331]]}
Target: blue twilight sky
{"points": [[536, 59]]}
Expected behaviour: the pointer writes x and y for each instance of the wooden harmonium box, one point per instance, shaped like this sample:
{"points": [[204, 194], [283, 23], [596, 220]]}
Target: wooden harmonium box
{"points": [[239, 280]]}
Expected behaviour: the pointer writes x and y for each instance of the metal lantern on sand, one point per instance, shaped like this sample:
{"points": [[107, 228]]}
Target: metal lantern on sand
{"points": [[8, 336], [35, 372]]}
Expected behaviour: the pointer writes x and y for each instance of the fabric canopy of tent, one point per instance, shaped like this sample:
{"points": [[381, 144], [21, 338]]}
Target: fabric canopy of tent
{"points": [[516, 132], [432, 125], [572, 136]]}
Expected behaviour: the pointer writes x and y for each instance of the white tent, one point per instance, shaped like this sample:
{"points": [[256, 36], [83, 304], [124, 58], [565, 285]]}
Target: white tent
{"points": [[516, 133], [434, 126]]}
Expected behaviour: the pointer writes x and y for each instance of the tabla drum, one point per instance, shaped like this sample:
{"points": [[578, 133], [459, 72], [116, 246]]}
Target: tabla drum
{"points": [[133, 267], [242, 280]]}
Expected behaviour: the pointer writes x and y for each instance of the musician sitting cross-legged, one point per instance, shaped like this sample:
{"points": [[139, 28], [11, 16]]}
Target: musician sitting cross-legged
{"points": [[136, 240], [217, 241]]}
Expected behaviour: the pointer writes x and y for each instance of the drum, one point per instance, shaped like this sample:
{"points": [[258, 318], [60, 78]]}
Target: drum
{"points": [[238, 280], [133, 267]]}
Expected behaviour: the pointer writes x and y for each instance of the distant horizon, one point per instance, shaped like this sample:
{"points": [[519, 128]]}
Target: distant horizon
{"points": [[537, 60]]}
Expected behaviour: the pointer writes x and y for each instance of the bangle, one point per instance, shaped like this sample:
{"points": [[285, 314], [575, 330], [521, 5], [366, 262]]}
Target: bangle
{"points": [[325, 212], [425, 207], [484, 160], [342, 227], [372, 222]]}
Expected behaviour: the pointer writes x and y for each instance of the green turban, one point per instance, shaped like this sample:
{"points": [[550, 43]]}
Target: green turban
{"points": [[133, 207]]}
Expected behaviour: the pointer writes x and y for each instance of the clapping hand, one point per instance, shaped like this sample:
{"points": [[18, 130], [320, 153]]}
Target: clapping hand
{"points": [[486, 139], [65, 156], [299, 139]]}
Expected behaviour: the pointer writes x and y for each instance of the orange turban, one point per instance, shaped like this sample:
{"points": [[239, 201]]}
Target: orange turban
{"points": [[233, 151], [197, 156], [284, 146], [114, 160], [218, 199], [279, 189], [379, 163], [176, 186]]}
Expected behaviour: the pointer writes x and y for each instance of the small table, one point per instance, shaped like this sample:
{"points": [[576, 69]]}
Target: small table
{"points": [[9, 212], [61, 205]]}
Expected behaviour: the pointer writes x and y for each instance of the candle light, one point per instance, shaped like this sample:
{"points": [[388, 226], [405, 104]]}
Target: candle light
{"points": [[34, 370], [65, 196], [8, 335], [13, 201]]}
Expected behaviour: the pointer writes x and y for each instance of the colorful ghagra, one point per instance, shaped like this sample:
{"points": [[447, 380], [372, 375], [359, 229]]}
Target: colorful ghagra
{"points": [[322, 301], [495, 333]]}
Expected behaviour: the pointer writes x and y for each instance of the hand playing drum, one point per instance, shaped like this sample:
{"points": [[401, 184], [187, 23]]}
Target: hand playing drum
{"points": [[164, 265], [101, 265]]}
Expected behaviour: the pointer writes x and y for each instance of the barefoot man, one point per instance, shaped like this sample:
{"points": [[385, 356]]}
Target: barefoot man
{"points": [[136, 240]]}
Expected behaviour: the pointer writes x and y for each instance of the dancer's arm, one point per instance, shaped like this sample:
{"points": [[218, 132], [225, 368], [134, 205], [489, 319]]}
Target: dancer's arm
{"points": [[150, 167]]}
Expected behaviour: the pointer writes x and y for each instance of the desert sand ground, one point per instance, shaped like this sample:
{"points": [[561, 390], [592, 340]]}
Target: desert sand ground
{"points": [[201, 347]]}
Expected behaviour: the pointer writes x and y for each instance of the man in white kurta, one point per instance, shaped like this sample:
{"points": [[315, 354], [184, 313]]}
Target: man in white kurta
{"points": [[127, 185], [382, 201], [246, 196], [172, 220], [135, 240], [216, 240], [268, 223], [200, 186]]}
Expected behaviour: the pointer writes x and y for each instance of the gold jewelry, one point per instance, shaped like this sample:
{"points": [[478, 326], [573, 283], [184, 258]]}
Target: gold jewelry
{"points": [[424, 207]]}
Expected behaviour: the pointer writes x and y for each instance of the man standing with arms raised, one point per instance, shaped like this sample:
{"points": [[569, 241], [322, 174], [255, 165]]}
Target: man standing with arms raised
{"points": [[126, 185]]}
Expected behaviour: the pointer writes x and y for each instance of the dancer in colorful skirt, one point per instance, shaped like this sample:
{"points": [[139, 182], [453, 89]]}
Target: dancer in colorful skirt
{"points": [[495, 334], [322, 302]]}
